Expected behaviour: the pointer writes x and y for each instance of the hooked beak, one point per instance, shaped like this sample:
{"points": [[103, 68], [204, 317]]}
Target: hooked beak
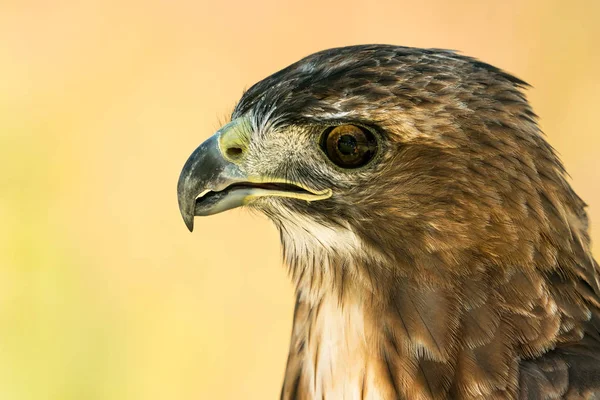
{"points": [[212, 180]]}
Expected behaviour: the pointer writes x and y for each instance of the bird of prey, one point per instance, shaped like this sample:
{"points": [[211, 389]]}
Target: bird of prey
{"points": [[436, 247]]}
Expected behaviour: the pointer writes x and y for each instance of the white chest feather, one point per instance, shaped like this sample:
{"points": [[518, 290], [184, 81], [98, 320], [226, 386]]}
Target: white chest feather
{"points": [[341, 353]]}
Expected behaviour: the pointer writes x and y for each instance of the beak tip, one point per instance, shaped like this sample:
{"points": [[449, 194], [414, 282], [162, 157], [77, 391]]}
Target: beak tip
{"points": [[190, 226], [185, 208], [186, 213], [189, 221]]}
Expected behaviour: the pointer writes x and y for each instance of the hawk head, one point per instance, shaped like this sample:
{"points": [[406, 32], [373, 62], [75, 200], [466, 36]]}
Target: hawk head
{"points": [[384, 155], [396, 173]]}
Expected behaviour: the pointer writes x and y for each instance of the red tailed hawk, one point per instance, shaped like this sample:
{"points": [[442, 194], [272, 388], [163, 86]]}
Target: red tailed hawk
{"points": [[437, 249]]}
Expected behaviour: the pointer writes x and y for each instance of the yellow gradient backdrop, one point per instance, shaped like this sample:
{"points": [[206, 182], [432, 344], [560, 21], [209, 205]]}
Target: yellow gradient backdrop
{"points": [[103, 292]]}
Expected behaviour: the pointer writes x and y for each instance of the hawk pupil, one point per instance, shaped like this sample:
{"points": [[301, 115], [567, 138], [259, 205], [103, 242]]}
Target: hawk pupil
{"points": [[347, 145]]}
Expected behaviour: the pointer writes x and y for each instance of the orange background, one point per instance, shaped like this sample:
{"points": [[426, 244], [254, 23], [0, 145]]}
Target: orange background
{"points": [[104, 294]]}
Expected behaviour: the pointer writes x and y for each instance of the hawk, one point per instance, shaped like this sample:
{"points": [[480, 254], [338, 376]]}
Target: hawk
{"points": [[436, 247]]}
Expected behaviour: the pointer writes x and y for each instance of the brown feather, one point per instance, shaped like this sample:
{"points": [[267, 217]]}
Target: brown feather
{"points": [[456, 265]]}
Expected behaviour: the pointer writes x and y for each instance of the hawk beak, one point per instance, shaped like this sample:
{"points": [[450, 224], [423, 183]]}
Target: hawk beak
{"points": [[206, 170], [213, 181]]}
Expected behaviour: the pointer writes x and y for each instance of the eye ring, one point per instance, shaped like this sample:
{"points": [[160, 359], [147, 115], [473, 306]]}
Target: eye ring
{"points": [[349, 146]]}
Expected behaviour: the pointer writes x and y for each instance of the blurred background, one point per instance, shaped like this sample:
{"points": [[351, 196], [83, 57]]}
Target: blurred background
{"points": [[104, 294]]}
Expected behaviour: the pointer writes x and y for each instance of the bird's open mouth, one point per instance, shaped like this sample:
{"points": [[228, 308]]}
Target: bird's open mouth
{"points": [[244, 192]]}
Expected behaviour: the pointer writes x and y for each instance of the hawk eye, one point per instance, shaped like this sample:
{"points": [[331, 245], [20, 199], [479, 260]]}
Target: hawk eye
{"points": [[349, 146]]}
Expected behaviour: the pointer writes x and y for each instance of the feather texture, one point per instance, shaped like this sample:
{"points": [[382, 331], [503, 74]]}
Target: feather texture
{"points": [[455, 265]]}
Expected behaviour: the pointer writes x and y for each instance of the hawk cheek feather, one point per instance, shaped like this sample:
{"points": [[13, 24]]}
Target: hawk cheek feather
{"points": [[436, 247]]}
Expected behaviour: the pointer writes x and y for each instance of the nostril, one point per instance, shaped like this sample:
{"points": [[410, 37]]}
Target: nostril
{"points": [[234, 152]]}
